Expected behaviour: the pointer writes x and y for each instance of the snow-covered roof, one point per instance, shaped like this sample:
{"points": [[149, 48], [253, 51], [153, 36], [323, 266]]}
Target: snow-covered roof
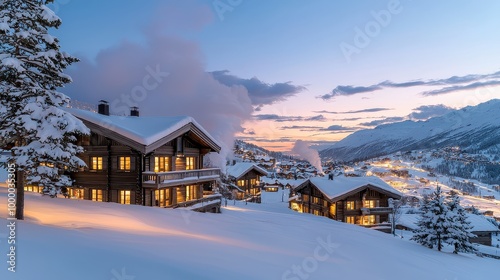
{"points": [[145, 130], [241, 168], [478, 222], [340, 186]]}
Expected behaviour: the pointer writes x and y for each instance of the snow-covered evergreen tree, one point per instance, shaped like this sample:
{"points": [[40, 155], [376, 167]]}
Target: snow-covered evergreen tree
{"points": [[459, 230], [433, 223], [31, 70]]}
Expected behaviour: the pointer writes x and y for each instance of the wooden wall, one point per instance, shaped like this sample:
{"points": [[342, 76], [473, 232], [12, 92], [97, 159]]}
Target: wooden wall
{"points": [[111, 180]]}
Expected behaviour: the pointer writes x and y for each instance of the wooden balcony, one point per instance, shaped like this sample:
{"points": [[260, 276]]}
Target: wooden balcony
{"points": [[175, 178], [376, 210]]}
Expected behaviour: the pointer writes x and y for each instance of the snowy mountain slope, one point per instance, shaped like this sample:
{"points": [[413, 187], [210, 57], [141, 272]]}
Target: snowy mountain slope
{"points": [[71, 239], [473, 127]]}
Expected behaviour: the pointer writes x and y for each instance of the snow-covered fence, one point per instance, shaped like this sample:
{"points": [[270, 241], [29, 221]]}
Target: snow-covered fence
{"points": [[210, 203]]}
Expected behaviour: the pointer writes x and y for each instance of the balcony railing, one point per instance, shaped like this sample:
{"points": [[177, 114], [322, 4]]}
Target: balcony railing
{"points": [[171, 178], [202, 202], [376, 210]]}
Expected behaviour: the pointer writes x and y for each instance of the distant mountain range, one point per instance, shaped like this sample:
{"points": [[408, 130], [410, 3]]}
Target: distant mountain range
{"points": [[473, 128]]}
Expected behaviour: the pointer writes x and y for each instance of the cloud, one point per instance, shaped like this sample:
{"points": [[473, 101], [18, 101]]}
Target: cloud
{"points": [[301, 127], [277, 118], [318, 118], [348, 90], [429, 111], [259, 139], [424, 112], [249, 132], [332, 128], [260, 93], [369, 110], [473, 81], [461, 87], [337, 128], [383, 121], [347, 119]]}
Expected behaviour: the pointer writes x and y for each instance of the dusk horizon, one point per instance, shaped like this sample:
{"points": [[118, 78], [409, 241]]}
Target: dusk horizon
{"points": [[275, 72]]}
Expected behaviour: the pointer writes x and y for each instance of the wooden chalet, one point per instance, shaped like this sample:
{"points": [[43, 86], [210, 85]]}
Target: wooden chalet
{"points": [[246, 176], [355, 200], [151, 161]]}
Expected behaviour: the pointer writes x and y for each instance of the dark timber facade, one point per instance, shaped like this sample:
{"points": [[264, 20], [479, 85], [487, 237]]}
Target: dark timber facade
{"points": [[121, 169], [365, 205]]}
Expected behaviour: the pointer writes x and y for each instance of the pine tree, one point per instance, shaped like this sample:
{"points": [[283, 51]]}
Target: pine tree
{"points": [[41, 135], [459, 230], [433, 223]]}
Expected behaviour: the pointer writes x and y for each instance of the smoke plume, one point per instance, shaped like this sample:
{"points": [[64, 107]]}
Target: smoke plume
{"points": [[302, 149]]}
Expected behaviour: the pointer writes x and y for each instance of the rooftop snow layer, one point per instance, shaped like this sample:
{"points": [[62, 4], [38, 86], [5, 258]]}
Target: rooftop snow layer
{"points": [[144, 130], [342, 185], [241, 168]]}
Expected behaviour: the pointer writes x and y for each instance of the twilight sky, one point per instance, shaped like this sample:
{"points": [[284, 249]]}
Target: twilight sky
{"points": [[275, 71]]}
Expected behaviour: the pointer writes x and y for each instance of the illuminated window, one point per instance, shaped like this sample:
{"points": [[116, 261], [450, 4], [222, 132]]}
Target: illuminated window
{"points": [[240, 183], [316, 212], [125, 197], [48, 164], [350, 205], [96, 195], [162, 164], [75, 193], [350, 220], [162, 197], [315, 200], [96, 163], [124, 163], [253, 182], [190, 163], [370, 203], [333, 209], [368, 220], [190, 192]]}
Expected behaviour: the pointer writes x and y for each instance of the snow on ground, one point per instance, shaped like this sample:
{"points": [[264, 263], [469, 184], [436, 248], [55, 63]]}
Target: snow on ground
{"points": [[75, 239]]}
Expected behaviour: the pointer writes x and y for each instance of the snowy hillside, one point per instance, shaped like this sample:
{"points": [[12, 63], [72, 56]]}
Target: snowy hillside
{"points": [[473, 127], [74, 239]]}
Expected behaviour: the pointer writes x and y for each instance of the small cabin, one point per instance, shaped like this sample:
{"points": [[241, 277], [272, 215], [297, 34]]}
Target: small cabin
{"points": [[355, 200], [246, 176]]}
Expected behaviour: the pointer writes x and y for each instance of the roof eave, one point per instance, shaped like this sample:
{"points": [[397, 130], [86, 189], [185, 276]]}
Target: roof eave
{"points": [[108, 133]]}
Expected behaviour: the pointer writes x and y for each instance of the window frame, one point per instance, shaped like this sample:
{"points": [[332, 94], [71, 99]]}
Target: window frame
{"points": [[96, 195], [96, 163], [124, 194], [350, 205], [123, 164], [190, 163], [165, 167]]}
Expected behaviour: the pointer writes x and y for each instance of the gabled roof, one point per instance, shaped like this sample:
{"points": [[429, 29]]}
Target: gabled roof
{"points": [[147, 133], [342, 187], [242, 168]]}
